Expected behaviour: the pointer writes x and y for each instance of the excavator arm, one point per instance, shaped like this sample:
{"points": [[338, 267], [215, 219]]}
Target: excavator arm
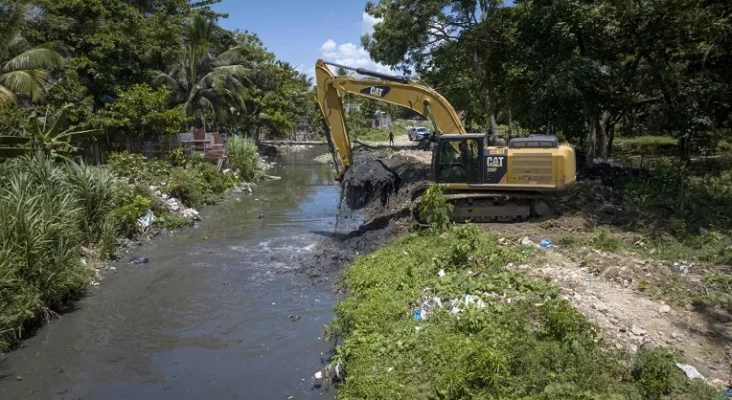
{"points": [[394, 90]]}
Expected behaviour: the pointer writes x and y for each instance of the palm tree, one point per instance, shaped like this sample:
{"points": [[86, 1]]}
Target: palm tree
{"points": [[49, 133], [23, 70], [205, 83]]}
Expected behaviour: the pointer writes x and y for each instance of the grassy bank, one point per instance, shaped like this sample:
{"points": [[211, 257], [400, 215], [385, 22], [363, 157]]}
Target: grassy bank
{"points": [[399, 127], [519, 341], [59, 219]]}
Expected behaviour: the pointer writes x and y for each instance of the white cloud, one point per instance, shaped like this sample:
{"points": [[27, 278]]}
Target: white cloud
{"points": [[350, 55], [330, 45], [367, 23]]}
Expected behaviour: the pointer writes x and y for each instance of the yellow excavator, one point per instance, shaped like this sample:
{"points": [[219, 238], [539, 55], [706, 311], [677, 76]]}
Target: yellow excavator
{"points": [[484, 177]]}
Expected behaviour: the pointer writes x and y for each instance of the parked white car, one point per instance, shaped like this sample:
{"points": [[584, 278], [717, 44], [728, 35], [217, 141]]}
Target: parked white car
{"points": [[418, 133]]}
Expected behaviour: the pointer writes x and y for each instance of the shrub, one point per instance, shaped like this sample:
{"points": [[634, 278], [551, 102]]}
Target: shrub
{"points": [[171, 220], [138, 168], [187, 186], [94, 189], [243, 157], [127, 214], [177, 157], [40, 234], [436, 208]]}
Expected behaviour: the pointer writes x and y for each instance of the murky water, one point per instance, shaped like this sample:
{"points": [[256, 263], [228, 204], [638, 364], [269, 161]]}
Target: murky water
{"points": [[217, 313]]}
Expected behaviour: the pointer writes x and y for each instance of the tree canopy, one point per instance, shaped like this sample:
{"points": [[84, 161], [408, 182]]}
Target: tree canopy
{"points": [[139, 69], [581, 69]]}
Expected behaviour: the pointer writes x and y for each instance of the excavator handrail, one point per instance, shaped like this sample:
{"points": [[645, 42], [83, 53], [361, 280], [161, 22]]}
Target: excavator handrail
{"points": [[421, 99]]}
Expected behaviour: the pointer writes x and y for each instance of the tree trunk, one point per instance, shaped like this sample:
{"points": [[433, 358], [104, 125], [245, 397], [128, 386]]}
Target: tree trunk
{"points": [[610, 139], [493, 127], [510, 122], [590, 141], [605, 126]]}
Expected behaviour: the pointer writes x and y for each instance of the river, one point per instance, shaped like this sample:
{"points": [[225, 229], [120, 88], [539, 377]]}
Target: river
{"points": [[219, 312]]}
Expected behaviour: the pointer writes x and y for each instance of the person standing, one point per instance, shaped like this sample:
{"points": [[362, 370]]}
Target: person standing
{"points": [[391, 138]]}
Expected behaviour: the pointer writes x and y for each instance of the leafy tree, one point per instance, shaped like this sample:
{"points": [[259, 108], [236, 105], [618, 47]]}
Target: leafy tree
{"points": [[201, 81], [23, 69], [143, 111], [111, 43], [50, 133]]}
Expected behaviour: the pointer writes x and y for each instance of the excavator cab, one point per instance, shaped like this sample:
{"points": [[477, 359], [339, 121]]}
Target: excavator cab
{"points": [[458, 159]]}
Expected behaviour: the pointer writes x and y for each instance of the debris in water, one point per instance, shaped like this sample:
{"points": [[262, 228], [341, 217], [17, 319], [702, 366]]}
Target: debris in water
{"points": [[261, 216], [146, 220], [367, 179], [294, 317], [139, 260]]}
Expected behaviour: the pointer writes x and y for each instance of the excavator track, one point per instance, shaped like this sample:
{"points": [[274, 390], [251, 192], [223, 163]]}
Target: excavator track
{"points": [[489, 206]]}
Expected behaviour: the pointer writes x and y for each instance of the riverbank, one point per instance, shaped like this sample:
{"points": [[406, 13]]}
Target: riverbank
{"points": [[211, 315], [64, 222], [605, 308]]}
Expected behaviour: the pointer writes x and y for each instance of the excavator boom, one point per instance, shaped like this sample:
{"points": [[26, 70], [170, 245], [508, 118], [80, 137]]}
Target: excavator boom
{"points": [[421, 99], [500, 182]]}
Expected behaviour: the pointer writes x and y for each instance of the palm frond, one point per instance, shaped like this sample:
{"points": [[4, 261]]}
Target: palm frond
{"points": [[7, 96], [37, 58], [30, 82]]}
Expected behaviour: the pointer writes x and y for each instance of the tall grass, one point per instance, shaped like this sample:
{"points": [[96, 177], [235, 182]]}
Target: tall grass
{"points": [[48, 210], [243, 157]]}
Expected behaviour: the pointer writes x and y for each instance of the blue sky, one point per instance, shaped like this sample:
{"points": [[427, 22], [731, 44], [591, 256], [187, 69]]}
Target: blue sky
{"points": [[301, 31]]}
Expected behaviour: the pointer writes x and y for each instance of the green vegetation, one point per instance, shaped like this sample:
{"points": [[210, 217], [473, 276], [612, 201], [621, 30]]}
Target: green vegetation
{"points": [[587, 71], [369, 134], [535, 346], [55, 211], [48, 211], [103, 74], [602, 239], [243, 156]]}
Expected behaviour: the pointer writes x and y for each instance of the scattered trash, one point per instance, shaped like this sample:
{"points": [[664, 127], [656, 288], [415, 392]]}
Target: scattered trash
{"points": [[95, 283], [441, 273], [681, 267], [390, 369], [146, 220], [173, 204], [546, 243], [139, 260], [331, 373], [703, 231], [691, 372], [294, 317], [261, 216], [420, 310], [191, 213], [527, 242], [19, 378]]}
